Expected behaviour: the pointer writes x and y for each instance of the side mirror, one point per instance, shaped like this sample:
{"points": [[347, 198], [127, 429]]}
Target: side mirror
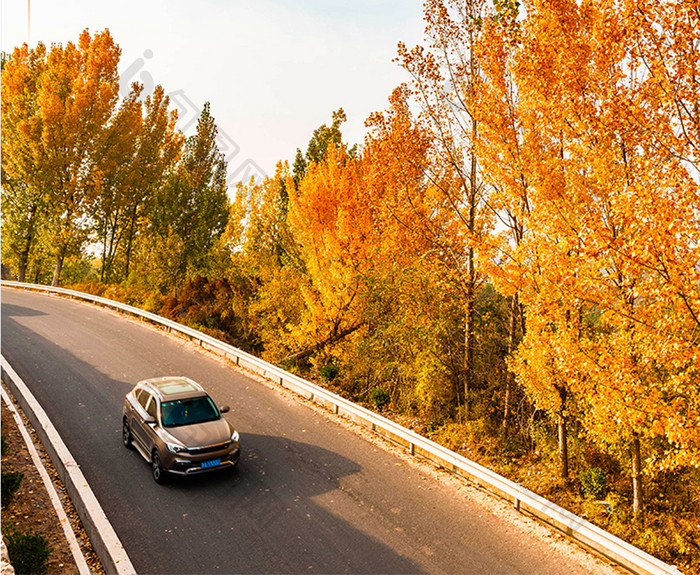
{"points": [[149, 420], [224, 409]]}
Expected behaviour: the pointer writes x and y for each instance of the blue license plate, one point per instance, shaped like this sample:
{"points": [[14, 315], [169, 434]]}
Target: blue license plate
{"points": [[212, 463]]}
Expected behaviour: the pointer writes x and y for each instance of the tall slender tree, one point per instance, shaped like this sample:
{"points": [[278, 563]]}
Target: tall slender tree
{"points": [[114, 177], [77, 96], [613, 213], [188, 214], [25, 163], [158, 148], [445, 79]]}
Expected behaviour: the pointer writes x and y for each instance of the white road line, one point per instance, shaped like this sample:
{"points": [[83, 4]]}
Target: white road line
{"points": [[50, 488]]}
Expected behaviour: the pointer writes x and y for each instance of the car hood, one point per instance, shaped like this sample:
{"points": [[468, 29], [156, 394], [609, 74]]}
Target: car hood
{"points": [[201, 434]]}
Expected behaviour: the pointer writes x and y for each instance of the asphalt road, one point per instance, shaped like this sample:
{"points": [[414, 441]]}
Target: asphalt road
{"points": [[309, 495]]}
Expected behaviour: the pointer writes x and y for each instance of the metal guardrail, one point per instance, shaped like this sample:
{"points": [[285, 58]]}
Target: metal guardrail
{"points": [[578, 529]]}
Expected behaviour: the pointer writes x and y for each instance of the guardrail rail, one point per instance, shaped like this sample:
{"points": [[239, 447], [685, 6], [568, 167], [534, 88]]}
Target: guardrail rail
{"points": [[526, 501]]}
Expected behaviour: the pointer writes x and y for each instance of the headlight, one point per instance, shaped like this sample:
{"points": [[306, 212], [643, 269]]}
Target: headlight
{"points": [[235, 437], [175, 448]]}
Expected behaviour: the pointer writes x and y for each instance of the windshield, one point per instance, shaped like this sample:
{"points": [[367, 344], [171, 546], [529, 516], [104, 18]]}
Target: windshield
{"points": [[188, 411]]}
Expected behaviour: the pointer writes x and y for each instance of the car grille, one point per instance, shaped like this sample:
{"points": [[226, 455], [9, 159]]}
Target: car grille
{"points": [[208, 448]]}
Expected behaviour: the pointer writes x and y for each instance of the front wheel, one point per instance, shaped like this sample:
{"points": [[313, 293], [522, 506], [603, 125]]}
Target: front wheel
{"points": [[126, 434], [157, 468]]}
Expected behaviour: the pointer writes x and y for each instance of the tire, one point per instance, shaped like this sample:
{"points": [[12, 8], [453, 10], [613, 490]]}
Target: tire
{"points": [[126, 434], [157, 468]]}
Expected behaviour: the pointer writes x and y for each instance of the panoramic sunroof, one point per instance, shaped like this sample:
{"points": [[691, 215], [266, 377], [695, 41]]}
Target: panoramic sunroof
{"points": [[175, 386]]}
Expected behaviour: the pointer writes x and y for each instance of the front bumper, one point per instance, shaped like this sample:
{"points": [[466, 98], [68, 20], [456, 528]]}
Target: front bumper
{"points": [[186, 466]]}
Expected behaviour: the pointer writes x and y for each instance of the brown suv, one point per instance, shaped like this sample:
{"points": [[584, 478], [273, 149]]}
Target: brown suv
{"points": [[176, 426]]}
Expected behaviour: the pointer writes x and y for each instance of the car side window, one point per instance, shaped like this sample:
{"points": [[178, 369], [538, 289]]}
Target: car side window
{"points": [[151, 408], [142, 397]]}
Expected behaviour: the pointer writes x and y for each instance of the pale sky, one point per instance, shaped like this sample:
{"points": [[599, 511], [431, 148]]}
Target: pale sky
{"points": [[273, 70]]}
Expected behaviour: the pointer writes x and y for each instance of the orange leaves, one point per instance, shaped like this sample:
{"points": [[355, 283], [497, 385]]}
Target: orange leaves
{"points": [[612, 229], [332, 220], [78, 156], [396, 159], [57, 104], [331, 215]]}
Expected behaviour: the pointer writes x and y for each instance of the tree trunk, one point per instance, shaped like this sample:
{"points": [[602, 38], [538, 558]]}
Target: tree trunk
{"points": [[104, 255], [57, 271], [333, 338], [507, 400], [24, 256], [469, 341], [563, 448], [130, 239], [510, 381], [637, 494], [59, 266], [471, 280], [563, 434]]}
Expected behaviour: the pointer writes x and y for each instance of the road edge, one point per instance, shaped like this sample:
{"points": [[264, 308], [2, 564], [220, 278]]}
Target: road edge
{"points": [[67, 528], [102, 535]]}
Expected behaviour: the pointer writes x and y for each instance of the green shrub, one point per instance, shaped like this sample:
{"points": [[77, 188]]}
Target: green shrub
{"points": [[379, 398], [593, 483], [29, 552], [329, 372], [435, 424], [10, 484]]}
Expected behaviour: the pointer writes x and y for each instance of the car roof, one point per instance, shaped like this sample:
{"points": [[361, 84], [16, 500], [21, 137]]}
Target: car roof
{"points": [[173, 387]]}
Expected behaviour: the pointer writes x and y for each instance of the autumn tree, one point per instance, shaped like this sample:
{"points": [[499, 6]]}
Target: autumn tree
{"points": [[74, 162], [445, 79], [613, 213], [25, 163], [188, 213], [24, 221], [55, 105], [260, 244], [141, 148], [330, 220], [113, 177], [503, 150], [420, 244], [77, 96], [260, 257]]}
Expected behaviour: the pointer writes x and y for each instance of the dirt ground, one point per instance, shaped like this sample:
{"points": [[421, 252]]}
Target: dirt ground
{"points": [[31, 508]]}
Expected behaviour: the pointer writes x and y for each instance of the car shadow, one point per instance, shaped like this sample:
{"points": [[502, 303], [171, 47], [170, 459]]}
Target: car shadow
{"points": [[275, 513]]}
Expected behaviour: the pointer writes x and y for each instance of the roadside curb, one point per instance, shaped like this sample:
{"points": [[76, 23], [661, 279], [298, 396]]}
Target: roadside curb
{"points": [[102, 535], [51, 492]]}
